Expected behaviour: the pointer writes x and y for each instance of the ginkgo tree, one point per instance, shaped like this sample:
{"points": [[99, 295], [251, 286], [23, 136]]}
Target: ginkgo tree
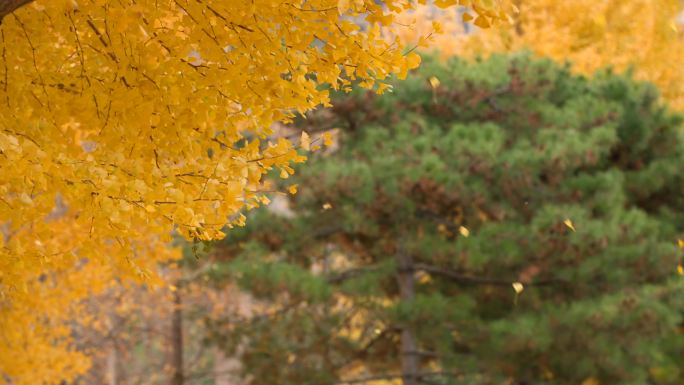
{"points": [[644, 35], [122, 121], [640, 34]]}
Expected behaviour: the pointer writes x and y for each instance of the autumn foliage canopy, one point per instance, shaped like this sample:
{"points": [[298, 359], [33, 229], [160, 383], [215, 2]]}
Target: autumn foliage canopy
{"points": [[124, 124]]}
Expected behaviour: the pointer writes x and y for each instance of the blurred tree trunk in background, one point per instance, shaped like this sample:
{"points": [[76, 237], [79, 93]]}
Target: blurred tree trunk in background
{"points": [[407, 292], [112, 362], [177, 340], [226, 369]]}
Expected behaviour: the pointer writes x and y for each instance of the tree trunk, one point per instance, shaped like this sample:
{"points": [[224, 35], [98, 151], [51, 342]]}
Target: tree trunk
{"points": [[9, 6], [112, 372], [177, 340], [112, 363], [409, 346]]}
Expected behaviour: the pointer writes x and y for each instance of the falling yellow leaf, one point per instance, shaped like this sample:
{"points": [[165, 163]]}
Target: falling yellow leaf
{"points": [[568, 223], [327, 139], [680, 242], [327, 206], [518, 287], [292, 189], [464, 231], [423, 277], [437, 26], [305, 141], [434, 82], [680, 269]]}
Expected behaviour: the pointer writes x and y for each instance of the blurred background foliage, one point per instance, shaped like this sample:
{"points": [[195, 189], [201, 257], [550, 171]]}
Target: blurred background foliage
{"points": [[468, 179]]}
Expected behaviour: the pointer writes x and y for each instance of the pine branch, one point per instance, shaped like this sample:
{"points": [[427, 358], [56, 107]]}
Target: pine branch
{"points": [[474, 280]]}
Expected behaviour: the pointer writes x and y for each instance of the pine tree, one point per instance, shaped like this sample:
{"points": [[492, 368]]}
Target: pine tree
{"points": [[498, 222]]}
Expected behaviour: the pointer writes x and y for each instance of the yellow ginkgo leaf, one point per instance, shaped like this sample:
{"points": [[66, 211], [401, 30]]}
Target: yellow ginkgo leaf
{"points": [[327, 138], [680, 269], [680, 243], [305, 141], [518, 287], [482, 22], [343, 6], [292, 189], [382, 87], [413, 60], [567, 222], [434, 82], [464, 231]]}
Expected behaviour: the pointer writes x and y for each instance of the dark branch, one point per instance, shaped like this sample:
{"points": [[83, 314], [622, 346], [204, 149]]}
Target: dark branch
{"points": [[473, 280], [459, 278], [389, 376], [349, 274], [9, 6]]}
